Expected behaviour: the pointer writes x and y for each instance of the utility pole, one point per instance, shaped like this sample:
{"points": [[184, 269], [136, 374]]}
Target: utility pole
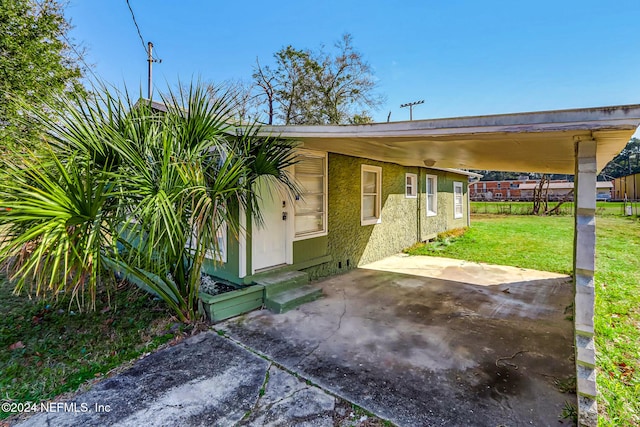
{"points": [[150, 60], [410, 105]]}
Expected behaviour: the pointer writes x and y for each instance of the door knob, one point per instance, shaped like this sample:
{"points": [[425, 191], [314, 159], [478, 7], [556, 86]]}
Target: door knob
{"points": [[284, 216]]}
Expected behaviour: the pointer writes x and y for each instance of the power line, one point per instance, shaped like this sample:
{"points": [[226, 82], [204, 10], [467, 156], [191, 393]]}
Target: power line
{"points": [[80, 57], [135, 22], [148, 49], [73, 48], [133, 16]]}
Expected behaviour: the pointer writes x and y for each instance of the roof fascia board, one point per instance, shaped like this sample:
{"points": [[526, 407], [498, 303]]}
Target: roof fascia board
{"points": [[618, 117]]}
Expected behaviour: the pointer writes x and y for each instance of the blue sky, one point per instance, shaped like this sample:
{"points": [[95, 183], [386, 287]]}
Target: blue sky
{"points": [[462, 57]]}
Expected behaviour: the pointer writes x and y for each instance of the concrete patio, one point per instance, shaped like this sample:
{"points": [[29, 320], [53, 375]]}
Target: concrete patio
{"points": [[430, 341]]}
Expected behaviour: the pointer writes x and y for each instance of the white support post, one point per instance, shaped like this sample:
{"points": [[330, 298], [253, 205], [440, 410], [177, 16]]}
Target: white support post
{"points": [[242, 244], [468, 206], [584, 248]]}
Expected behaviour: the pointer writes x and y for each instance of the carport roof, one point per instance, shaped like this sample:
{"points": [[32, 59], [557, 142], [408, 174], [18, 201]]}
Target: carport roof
{"points": [[528, 142]]}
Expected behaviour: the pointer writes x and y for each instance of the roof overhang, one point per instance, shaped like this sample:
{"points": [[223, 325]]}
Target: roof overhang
{"points": [[527, 142]]}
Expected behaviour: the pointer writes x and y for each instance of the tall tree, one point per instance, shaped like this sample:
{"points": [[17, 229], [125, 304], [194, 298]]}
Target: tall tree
{"points": [[344, 82], [295, 91], [264, 80], [319, 87], [241, 97], [35, 61], [627, 162]]}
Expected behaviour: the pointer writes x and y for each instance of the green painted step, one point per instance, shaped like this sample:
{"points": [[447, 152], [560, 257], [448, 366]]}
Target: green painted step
{"points": [[292, 298], [282, 281]]}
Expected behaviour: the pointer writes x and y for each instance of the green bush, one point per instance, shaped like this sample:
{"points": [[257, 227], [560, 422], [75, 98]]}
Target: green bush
{"points": [[117, 187]]}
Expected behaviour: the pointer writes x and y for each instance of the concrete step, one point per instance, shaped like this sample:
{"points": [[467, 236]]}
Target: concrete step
{"points": [[292, 298], [283, 281]]}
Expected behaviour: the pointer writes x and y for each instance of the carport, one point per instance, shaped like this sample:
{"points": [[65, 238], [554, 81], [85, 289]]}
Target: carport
{"points": [[426, 341], [579, 141]]}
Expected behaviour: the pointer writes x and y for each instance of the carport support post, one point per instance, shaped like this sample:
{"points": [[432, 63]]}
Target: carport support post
{"points": [[584, 247]]}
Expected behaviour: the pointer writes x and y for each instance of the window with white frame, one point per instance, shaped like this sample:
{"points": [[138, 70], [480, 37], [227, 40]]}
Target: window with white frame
{"points": [[432, 195], [411, 185], [311, 206], [457, 200], [221, 236], [221, 242], [371, 194]]}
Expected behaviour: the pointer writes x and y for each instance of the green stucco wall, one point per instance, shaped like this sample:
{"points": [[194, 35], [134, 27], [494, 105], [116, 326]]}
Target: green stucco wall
{"points": [[433, 225], [310, 249], [351, 244]]}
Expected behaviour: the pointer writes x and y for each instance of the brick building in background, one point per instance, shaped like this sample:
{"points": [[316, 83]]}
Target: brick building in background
{"points": [[498, 190], [523, 189]]}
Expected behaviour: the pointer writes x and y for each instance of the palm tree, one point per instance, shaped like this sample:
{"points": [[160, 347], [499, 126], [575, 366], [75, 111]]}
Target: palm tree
{"points": [[119, 188]]}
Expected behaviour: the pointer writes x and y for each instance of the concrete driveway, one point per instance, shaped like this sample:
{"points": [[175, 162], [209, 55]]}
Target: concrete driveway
{"points": [[426, 341], [419, 341], [206, 380]]}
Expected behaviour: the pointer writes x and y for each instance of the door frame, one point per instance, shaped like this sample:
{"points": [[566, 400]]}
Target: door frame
{"points": [[288, 237]]}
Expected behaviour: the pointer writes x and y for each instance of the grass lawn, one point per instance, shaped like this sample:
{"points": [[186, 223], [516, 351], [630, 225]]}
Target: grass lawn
{"points": [[518, 240], [48, 350], [545, 243]]}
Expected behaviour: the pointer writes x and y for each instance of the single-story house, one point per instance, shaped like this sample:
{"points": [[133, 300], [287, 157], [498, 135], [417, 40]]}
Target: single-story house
{"points": [[352, 211], [373, 189]]}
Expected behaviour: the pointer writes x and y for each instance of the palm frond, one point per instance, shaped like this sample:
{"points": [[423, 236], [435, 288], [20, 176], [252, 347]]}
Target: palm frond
{"points": [[120, 188]]}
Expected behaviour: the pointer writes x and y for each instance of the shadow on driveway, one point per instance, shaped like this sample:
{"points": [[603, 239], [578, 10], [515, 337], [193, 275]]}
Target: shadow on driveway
{"points": [[426, 341]]}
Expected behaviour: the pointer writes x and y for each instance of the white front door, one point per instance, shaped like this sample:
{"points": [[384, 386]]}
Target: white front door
{"points": [[270, 240]]}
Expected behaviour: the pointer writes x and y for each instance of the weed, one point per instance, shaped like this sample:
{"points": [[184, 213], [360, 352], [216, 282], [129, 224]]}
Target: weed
{"points": [[570, 412], [442, 241], [566, 385], [263, 389], [452, 234], [568, 310], [360, 411]]}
